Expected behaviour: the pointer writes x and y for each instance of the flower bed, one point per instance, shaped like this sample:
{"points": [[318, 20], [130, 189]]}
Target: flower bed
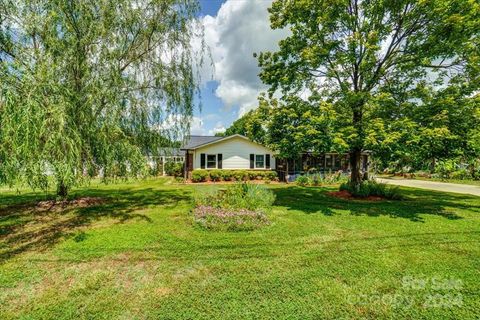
{"points": [[227, 219], [238, 207]]}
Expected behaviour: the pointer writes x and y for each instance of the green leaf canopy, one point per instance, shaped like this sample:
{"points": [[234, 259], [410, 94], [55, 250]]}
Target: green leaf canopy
{"points": [[93, 85]]}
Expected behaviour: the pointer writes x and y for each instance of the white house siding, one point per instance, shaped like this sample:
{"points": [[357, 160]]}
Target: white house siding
{"points": [[235, 152]]}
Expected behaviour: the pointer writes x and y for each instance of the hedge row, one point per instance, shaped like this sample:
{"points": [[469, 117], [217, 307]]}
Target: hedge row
{"points": [[232, 175]]}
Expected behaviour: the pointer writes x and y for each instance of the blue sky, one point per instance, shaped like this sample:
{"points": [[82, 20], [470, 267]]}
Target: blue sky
{"points": [[210, 7], [234, 30], [212, 112]]}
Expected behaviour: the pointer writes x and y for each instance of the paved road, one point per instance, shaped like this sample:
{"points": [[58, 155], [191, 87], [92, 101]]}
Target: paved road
{"points": [[432, 185]]}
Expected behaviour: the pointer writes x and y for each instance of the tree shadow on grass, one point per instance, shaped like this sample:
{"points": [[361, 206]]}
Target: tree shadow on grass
{"points": [[416, 203], [24, 227]]}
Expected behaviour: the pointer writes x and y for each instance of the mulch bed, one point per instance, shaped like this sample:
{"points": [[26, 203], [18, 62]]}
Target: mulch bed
{"points": [[53, 205], [230, 182], [348, 196]]}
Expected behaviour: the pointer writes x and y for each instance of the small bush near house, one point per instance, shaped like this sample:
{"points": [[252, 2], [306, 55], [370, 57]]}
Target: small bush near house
{"points": [[271, 175], [174, 169], [179, 180], [240, 175], [333, 178], [156, 170], [373, 188], [253, 175], [199, 175], [241, 206], [227, 175], [302, 181], [215, 175]]}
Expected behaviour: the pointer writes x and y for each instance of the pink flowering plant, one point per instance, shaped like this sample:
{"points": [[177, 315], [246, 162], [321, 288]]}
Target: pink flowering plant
{"points": [[239, 207], [229, 220]]}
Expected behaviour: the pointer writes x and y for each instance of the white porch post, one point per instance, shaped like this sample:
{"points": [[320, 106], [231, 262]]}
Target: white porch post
{"points": [[163, 165]]}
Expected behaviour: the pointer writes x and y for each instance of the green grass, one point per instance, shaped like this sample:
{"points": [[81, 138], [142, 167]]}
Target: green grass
{"points": [[139, 255]]}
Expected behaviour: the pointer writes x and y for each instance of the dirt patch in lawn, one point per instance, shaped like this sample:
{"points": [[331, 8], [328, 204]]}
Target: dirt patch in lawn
{"points": [[53, 205], [344, 194]]}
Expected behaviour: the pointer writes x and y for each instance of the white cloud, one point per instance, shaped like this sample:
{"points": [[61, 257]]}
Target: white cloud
{"points": [[240, 29], [219, 128], [196, 127]]}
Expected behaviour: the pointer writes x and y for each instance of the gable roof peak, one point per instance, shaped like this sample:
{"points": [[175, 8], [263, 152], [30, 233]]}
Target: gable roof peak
{"points": [[198, 141]]}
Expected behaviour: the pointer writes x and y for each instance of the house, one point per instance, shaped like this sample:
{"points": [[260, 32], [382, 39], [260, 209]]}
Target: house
{"points": [[309, 162], [234, 152], [238, 152]]}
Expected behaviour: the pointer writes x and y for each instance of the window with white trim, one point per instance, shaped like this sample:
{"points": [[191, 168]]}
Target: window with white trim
{"points": [[211, 161], [259, 161]]}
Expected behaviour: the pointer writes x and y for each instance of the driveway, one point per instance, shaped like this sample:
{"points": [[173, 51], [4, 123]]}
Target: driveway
{"points": [[432, 185]]}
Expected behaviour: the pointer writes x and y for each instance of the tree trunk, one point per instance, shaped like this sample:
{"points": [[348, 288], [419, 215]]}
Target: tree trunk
{"points": [[356, 151], [62, 190], [355, 175]]}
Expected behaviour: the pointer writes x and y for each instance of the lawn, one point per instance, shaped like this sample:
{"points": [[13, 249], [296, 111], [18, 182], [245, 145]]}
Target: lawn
{"points": [[138, 255]]}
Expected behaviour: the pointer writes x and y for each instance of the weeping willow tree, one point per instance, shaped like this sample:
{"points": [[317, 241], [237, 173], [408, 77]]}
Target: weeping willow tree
{"points": [[90, 86]]}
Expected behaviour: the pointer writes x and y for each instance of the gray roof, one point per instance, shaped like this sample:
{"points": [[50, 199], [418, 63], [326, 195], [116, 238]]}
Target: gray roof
{"points": [[196, 141], [176, 152]]}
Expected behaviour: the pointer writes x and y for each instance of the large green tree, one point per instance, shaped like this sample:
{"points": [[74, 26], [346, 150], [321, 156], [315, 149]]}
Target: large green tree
{"points": [[358, 54], [92, 85], [438, 125], [251, 125]]}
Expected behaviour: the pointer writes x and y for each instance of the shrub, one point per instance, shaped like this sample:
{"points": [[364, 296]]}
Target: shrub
{"points": [[460, 174], [227, 175], [445, 168], [334, 178], [240, 175], [155, 170], [179, 180], [253, 196], [345, 186], [373, 188], [317, 179], [199, 175], [270, 175], [237, 175], [252, 175], [302, 181], [474, 169], [216, 175], [174, 169]]}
